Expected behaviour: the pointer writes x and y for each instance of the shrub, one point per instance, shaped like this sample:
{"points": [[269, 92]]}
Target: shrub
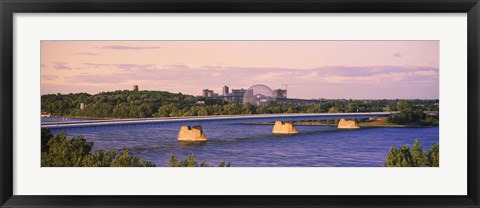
{"points": [[61, 151], [45, 137], [191, 161], [434, 156], [415, 157]]}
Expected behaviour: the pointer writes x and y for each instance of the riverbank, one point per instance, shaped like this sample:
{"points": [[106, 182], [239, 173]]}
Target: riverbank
{"points": [[381, 122]]}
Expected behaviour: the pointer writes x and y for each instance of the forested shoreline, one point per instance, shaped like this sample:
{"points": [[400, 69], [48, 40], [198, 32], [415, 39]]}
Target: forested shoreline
{"points": [[148, 104]]}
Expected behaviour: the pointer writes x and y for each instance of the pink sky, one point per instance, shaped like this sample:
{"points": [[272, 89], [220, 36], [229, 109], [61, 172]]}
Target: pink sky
{"points": [[322, 69]]}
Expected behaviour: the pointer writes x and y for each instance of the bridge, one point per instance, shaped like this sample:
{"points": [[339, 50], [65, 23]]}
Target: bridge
{"points": [[190, 127]]}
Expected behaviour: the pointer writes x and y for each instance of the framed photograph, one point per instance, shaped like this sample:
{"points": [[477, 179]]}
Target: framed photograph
{"points": [[239, 103]]}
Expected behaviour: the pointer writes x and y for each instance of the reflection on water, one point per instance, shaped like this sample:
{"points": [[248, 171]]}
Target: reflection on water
{"points": [[256, 146]]}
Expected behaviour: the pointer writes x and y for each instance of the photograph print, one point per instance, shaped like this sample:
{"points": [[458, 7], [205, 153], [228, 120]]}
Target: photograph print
{"points": [[234, 103]]}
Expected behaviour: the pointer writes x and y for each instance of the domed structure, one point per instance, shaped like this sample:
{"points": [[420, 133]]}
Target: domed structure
{"points": [[258, 95]]}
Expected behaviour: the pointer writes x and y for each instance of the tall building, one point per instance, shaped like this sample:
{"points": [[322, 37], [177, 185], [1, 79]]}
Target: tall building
{"points": [[225, 90], [209, 93], [135, 87], [205, 92], [238, 92], [237, 95], [280, 93]]}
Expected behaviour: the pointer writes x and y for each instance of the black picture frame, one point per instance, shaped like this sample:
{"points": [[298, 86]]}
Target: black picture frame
{"points": [[10, 7]]}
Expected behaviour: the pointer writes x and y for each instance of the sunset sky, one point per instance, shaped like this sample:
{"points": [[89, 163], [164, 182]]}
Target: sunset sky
{"points": [[321, 69]]}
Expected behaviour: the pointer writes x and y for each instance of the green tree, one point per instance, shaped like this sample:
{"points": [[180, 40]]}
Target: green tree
{"points": [[315, 108], [352, 107], [334, 109], [45, 137], [76, 152], [166, 110], [409, 113], [248, 108], [399, 157], [232, 109], [419, 155], [392, 106], [434, 156], [415, 157], [202, 112], [191, 161], [64, 152]]}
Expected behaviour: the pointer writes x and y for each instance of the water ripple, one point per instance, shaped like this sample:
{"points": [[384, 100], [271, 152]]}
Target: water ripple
{"points": [[256, 146]]}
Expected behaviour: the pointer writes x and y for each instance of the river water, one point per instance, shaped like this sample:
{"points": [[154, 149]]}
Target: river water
{"points": [[248, 145]]}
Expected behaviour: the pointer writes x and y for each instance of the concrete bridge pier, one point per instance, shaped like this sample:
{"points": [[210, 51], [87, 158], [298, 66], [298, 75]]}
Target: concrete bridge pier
{"points": [[193, 134], [348, 124], [284, 128]]}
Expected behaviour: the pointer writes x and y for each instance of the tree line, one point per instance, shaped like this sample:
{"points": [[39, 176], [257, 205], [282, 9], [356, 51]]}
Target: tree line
{"points": [[146, 104]]}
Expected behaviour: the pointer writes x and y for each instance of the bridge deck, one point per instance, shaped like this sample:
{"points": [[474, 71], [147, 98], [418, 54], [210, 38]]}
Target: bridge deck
{"points": [[98, 125]]}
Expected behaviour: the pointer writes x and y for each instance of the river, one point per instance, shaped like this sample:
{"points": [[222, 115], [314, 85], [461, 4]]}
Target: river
{"points": [[248, 145]]}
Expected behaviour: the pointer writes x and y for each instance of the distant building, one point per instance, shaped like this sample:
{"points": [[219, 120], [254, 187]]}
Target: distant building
{"points": [[237, 95], [82, 106], [205, 92], [259, 95], [239, 91], [280, 93], [248, 93], [209, 93], [135, 87], [225, 90]]}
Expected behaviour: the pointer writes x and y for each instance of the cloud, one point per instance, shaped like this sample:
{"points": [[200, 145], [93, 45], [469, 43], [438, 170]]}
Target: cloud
{"points": [[127, 67], [124, 47], [61, 66], [372, 74], [176, 66], [86, 54], [398, 55], [49, 77], [251, 75], [329, 81], [100, 79]]}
